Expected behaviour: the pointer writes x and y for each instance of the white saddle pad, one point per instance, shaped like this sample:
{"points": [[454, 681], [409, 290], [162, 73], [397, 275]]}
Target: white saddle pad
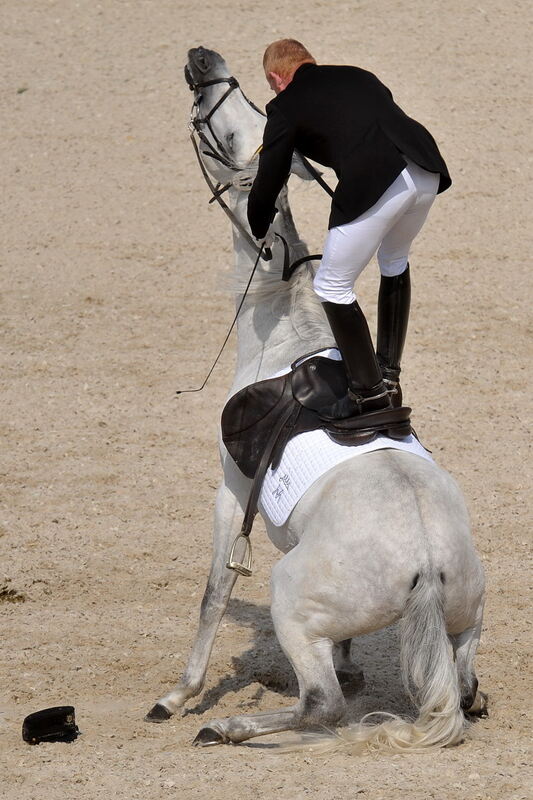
{"points": [[309, 455], [306, 458]]}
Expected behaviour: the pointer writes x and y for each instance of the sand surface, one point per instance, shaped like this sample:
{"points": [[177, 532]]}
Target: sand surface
{"points": [[111, 300]]}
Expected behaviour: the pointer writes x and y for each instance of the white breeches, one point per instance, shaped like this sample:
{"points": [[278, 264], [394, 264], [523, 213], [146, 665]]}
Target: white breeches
{"points": [[388, 227]]}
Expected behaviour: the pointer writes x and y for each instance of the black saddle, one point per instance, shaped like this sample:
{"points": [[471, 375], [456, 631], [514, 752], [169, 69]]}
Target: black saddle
{"points": [[258, 421]]}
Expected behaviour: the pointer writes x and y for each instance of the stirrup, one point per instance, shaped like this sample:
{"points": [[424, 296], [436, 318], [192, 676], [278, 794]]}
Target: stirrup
{"points": [[244, 565], [353, 402], [387, 419]]}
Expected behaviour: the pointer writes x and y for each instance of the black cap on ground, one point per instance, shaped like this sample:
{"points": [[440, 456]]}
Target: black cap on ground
{"points": [[56, 724]]}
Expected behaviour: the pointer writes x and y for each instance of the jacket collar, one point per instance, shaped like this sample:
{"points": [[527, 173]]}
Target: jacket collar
{"points": [[302, 69]]}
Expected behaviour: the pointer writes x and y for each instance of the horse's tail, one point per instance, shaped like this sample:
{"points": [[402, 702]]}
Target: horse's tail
{"points": [[428, 671], [430, 676]]}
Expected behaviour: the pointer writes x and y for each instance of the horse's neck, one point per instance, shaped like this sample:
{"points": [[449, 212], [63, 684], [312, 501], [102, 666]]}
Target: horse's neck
{"points": [[278, 322]]}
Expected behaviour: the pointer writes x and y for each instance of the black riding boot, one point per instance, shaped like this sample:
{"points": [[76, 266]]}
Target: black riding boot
{"points": [[394, 300], [367, 392]]}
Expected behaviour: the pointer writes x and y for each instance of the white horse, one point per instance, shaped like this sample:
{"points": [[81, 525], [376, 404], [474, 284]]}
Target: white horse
{"points": [[382, 537]]}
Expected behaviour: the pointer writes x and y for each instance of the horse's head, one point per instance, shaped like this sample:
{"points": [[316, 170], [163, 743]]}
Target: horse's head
{"points": [[230, 127], [204, 65]]}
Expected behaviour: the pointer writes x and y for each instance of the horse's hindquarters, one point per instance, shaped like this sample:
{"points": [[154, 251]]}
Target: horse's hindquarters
{"points": [[366, 531]]}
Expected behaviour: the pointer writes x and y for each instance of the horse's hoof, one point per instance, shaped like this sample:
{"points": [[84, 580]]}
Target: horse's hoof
{"points": [[207, 737], [479, 707], [158, 714]]}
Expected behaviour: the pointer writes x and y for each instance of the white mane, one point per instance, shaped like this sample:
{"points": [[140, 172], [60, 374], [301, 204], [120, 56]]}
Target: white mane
{"points": [[305, 309]]}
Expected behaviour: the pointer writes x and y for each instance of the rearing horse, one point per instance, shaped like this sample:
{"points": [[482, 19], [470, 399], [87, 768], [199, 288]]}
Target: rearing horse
{"points": [[380, 538]]}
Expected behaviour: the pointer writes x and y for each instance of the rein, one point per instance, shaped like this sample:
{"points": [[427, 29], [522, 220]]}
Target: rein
{"points": [[220, 154], [243, 298], [267, 255], [217, 190]]}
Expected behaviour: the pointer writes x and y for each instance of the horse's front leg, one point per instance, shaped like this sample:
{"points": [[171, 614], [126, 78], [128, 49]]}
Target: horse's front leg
{"points": [[228, 521], [321, 701]]}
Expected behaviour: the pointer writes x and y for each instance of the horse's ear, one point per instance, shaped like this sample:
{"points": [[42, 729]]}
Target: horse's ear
{"points": [[298, 168]]}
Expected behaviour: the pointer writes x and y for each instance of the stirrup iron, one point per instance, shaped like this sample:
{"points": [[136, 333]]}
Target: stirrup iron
{"points": [[244, 565]]}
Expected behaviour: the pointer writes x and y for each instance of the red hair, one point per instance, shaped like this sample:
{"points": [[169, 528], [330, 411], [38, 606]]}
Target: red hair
{"points": [[285, 56]]}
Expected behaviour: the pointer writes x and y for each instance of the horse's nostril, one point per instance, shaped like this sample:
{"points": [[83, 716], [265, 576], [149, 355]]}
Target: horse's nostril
{"points": [[199, 58]]}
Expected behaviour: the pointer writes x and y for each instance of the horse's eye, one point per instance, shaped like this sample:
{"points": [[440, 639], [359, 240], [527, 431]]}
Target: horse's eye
{"points": [[229, 140]]}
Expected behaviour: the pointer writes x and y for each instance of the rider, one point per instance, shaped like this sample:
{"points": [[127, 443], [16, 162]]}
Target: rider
{"points": [[389, 170]]}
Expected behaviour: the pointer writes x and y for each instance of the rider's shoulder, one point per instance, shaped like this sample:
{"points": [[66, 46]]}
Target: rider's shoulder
{"points": [[347, 71]]}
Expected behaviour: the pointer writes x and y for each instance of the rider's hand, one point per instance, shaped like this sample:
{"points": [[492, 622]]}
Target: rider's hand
{"points": [[244, 179], [268, 239]]}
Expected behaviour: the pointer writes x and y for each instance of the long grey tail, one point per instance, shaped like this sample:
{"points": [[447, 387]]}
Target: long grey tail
{"points": [[428, 669]]}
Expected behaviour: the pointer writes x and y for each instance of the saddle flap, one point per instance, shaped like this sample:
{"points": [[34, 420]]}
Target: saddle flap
{"points": [[319, 382], [248, 418]]}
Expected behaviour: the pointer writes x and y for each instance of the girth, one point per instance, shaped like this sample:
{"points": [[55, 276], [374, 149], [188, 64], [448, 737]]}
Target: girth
{"points": [[259, 421]]}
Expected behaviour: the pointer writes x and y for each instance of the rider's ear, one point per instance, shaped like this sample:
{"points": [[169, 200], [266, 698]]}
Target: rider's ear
{"points": [[272, 80]]}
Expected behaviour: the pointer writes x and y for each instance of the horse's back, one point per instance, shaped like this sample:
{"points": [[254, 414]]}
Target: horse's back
{"points": [[387, 492]]}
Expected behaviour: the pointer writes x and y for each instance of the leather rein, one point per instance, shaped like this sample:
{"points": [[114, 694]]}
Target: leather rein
{"points": [[220, 154], [195, 127]]}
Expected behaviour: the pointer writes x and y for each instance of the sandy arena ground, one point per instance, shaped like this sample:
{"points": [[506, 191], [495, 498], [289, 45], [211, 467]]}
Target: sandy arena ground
{"points": [[112, 297]]}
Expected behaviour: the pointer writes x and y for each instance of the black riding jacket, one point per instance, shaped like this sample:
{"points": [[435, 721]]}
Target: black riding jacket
{"points": [[344, 118]]}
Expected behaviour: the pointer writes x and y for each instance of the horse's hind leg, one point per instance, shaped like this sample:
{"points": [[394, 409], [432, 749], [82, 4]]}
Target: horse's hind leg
{"points": [[228, 520], [349, 675], [321, 700], [465, 645]]}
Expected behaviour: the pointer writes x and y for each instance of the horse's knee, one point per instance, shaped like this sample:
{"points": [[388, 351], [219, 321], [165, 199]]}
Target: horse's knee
{"points": [[214, 599], [319, 707]]}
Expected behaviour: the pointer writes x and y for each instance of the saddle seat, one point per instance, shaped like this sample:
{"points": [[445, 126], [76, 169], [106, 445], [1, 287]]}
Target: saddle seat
{"points": [[260, 419]]}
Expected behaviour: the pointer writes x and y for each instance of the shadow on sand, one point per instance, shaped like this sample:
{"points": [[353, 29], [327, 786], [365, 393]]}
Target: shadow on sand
{"points": [[265, 665]]}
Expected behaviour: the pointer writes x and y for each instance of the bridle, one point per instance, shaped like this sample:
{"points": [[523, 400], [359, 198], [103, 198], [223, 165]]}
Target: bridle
{"points": [[217, 190], [220, 154], [196, 121]]}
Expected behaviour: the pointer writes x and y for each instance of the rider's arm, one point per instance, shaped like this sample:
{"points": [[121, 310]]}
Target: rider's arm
{"points": [[274, 168]]}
